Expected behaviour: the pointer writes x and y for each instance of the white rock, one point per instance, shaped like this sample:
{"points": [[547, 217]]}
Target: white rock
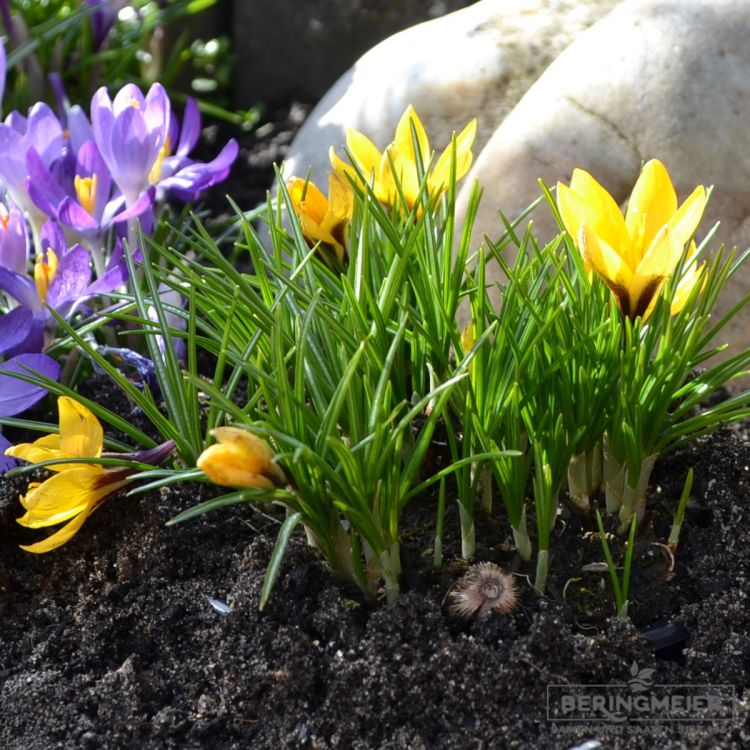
{"points": [[475, 62], [653, 79]]}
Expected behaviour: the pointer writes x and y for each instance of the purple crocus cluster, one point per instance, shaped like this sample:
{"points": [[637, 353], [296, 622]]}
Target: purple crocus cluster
{"points": [[71, 190]]}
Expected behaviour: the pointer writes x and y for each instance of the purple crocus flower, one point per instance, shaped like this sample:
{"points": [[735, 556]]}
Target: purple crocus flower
{"points": [[89, 203], [61, 281], [132, 135], [42, 132], [183, 177]]}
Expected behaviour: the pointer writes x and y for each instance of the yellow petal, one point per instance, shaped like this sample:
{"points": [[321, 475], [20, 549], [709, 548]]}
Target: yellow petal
{"points": [[385, 184], [587, 202], [61, 536], [363, 153], [467, 337], [686, 219], [404, 140], [608, 264], [340, 197], [652, 204], [689, 280], [335, 222], [240, 459], [81, 434], [307, 198], [341, 167], [44, 449], [296, 188], [404, 174], [441, 173], [66, 494], [662, 256]]}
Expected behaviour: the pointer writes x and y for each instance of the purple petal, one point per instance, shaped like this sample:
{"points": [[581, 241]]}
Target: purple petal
{"points": [[21, 288], [17, 122], [138, 208], [52, 237], [116, 275], [191, 128], [44, 133], [74, 215], [79, 128], [13, 163], [17, 395], [6, 462], [89, 162], [112, 208], [102, 122], [117, 255], [198, 176], [125, 97], [32, 341], [134, 152], [72, 278], [157, 112], [14, 239], [15, 327], [41, 185]]}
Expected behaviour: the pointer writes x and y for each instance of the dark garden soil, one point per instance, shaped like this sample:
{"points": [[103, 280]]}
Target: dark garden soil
{"points": [[137, 635]]}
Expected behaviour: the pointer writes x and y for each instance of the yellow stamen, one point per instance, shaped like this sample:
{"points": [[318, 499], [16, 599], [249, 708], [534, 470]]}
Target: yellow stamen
{"points": [[4, 217], [135, 103], [164, 151], [86, 192], [44, 272]]}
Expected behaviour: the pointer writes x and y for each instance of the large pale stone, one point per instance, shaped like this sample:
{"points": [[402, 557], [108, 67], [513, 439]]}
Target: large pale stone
{"points": [[653, 79], [475, 62]]}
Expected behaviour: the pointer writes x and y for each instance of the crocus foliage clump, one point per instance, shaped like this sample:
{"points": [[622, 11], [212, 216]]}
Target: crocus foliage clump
{"points": [[347, 331], [362, 328]]}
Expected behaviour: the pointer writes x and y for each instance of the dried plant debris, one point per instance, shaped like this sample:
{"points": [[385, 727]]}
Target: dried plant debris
{"points": [[484, 588]]}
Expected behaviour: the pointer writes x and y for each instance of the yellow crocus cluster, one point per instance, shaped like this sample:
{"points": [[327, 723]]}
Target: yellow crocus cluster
{"points": [[636, 253], [322, 219], [399, 164], [391, 174]]}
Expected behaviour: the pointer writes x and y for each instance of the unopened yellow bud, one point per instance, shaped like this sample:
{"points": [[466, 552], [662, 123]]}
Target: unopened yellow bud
{"points": [[240, 459]]}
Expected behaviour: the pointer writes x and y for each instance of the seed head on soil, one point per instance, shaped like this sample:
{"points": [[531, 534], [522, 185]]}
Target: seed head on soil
{"points": [[483, 588]]}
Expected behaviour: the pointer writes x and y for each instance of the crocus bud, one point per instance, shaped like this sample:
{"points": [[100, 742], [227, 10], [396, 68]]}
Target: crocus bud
{"points": [[240, 459]]}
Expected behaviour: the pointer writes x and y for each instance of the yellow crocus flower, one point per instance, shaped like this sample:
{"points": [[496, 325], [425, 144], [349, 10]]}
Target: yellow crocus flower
{"points": [[240, 459], [636, 253], [323, 220], [75, 490], [401, 159]]}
